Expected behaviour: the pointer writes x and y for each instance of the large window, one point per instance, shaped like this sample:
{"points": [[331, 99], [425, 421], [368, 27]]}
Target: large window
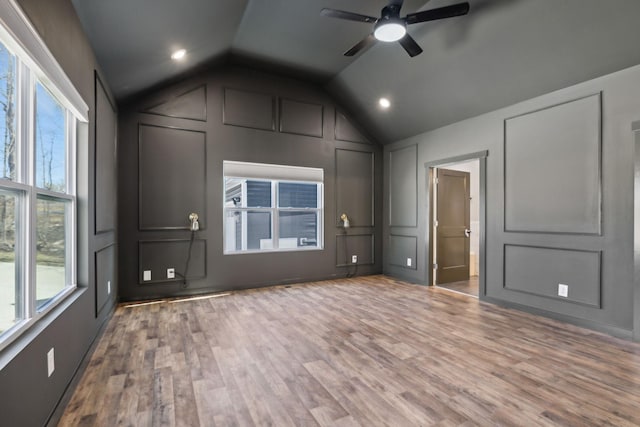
{"points": [[272, 207], [37, 180]]}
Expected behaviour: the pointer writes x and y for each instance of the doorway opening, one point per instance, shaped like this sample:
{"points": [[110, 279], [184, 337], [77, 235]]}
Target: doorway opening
{"points": [[456, 223]]}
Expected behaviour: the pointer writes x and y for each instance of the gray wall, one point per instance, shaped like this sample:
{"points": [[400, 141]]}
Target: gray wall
{"points": [[559, 200], [173, 142], [28, 396]]}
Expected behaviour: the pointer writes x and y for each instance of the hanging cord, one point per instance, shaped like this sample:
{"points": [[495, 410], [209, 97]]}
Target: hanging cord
{"points": [[346, 255], [184, 284]]}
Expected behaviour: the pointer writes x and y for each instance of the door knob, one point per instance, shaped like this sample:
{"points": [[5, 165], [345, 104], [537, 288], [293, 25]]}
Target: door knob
{"points": [[467, 232]]}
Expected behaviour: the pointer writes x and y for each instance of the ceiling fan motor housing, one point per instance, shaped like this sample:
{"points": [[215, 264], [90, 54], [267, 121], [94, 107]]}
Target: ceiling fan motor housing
{"points": [[390, 27]]}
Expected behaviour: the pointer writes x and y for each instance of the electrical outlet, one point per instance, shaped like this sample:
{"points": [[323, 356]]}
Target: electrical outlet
{"points": [[354, 259], [409, 262], [108, 287], [51, 365], [146, 275], [563, 290], [171, 273]]}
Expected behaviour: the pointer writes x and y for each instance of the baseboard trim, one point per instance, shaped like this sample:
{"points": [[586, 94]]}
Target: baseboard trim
{"points": [[583, 323]]}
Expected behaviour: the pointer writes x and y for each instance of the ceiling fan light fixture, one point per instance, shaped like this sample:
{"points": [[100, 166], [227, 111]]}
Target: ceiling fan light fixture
{"points": [[390, 31]]}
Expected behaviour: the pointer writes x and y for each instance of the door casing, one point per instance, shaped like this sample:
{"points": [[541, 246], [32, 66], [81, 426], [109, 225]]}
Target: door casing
{"points": [[431, 166]]}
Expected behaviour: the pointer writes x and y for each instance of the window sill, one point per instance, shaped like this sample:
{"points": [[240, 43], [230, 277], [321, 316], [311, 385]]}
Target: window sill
{"points": [[30, 331]]}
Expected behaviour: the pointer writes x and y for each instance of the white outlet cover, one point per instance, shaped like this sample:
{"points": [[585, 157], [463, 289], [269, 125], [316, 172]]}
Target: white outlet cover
{"points": [[51, 365], [171, 273], [408, 262], [563, 290], [146, 275], [354, 259]]}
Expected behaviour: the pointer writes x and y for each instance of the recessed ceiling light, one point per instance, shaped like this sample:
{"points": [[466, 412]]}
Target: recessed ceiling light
{"points": [[178, 54], [384, 103]]}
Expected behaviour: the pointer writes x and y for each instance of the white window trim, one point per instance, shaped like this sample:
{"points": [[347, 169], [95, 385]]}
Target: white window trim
{"points": [[274, 174], [36, 63], [25, 41]]}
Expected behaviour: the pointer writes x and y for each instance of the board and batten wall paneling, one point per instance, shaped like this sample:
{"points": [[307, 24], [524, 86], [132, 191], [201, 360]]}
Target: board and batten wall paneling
{"points": [[106, 283], [158, 255], [105, 160], [249, 109], [403, 248], [301, 118], [190, 105], [539, 271], [354, 187], [403, 190], [553, 169], [171, 161], [348, 245]]}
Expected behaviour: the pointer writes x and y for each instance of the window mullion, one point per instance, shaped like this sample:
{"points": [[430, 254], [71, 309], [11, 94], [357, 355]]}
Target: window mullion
{"points": [[275, 215], [27, 213]]}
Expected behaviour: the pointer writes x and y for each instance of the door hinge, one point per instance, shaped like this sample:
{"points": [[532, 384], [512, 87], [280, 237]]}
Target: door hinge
{"points": [[437, 181], [435, 223], [435, 266]]}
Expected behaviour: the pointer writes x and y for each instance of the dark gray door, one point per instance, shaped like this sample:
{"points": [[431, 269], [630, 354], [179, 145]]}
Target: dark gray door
{"points": [[452, 230]]}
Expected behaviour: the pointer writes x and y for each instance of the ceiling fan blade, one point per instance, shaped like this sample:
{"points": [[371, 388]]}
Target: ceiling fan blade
{"points": [[438, 13], [410, 45], [363, 44], [350, 16]]}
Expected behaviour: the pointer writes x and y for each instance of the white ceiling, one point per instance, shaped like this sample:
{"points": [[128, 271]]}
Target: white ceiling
{"points": [[502, 52]]}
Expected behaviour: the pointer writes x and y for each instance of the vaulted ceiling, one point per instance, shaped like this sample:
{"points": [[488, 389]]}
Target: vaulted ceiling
{"points": [[502, 52]]}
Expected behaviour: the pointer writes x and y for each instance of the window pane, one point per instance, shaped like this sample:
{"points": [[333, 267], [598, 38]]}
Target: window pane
{"points": [[50, 249], [295, 195], [8, 86], [247, 230], [233, 192], [50, 160], [300, 228], [258, 194], [259, 230], [11, 307]]}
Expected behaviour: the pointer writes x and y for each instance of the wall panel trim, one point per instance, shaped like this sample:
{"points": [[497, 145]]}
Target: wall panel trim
{"points": [[415, 260], [597, 305], [203, 215], [372, 246], [177, 278], [282, 128], [337, 220], [98, 83], [506, 229], [415, 196], [225, 120], [114, 290]]}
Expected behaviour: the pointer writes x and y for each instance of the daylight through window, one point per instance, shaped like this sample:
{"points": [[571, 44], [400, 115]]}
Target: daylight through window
{"points": [[272, 207], [37, 188]]}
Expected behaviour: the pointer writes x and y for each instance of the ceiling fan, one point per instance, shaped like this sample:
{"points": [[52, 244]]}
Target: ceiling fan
{"points": [[391, 27]]}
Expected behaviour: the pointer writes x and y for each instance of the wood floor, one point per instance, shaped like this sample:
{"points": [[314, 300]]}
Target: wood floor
{"points": [[469, 287], [364, 351]]}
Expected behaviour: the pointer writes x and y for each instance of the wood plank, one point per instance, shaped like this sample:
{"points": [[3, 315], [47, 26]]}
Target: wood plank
{"points": [[366, 351]]}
